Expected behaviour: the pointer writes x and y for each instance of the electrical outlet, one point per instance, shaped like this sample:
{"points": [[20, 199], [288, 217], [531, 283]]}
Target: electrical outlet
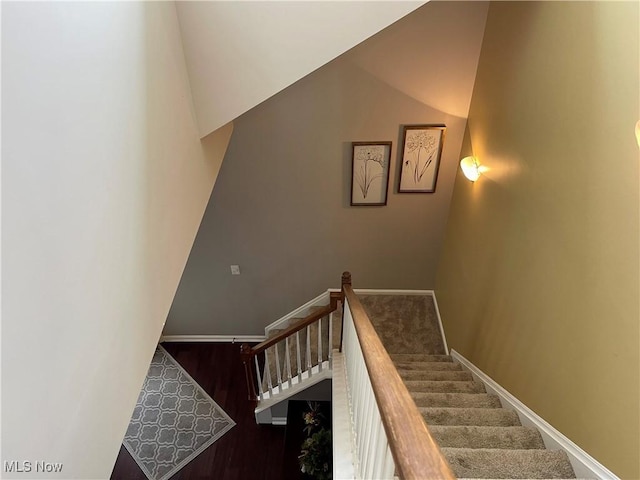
{"points": [[235, 270]]}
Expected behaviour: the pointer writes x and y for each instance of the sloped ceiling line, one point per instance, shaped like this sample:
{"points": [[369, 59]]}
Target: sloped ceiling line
{"points": [[238, 54]]}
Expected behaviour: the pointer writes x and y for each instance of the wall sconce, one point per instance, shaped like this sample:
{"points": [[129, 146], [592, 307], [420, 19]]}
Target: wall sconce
{"points": [[638, 132], [471, 168]]}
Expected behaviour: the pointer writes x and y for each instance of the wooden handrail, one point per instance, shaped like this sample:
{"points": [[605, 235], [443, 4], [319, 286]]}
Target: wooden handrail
{"points": [[414, 450]]}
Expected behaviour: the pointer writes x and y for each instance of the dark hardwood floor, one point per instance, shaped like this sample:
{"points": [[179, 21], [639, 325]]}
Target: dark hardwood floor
{"points": [[248, 450]]}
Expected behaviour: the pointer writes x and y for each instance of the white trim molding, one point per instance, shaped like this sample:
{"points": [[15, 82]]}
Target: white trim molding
{"points": [[283, 322], [444, 338], [584, 465], [214, 338], [380, 291], [280, 421], [343, 447]]}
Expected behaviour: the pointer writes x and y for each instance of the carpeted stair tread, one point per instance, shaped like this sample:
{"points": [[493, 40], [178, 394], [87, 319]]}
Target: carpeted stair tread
{"points": [[487, 437], [405, 323], [431, 366], [502, 463], [479, 438], [456, 400], [437, 375], [444, 386], [419, 357], [497, 417], [275, 331]]}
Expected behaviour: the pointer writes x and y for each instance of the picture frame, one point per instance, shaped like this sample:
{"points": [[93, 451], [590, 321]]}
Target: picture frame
{"points": [[420, 158], [370, 162]]}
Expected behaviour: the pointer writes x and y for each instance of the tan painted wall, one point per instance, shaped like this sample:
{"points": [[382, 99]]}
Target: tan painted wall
{"points": [[538, 284]]}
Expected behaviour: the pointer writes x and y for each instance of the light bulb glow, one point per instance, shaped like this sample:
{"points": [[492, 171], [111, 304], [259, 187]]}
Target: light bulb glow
{"points": [[470, 167], [638, 132]]}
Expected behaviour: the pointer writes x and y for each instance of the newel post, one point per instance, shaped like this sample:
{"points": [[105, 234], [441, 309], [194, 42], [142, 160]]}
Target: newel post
{"points": [[346, 280], [247, 357]]}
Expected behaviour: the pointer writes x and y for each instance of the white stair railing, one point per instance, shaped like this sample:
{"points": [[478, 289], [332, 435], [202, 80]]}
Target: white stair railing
{"points": [[372, 457], [274, 356], [388, 433]]}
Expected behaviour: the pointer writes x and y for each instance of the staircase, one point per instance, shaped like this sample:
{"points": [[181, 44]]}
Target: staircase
{"points": [[296, 355], [478, 437], [285, 358]]}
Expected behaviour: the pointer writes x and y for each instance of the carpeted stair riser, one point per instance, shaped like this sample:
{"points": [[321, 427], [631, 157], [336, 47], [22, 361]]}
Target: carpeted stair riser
{"points": [[451, 376], [419, 357], [456, 400], [512, 438], [501, 463], [496, 417], [444, 386], [430, 366]]}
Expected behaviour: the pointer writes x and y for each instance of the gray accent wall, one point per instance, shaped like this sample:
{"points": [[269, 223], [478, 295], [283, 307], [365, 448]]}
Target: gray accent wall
{"points": [[280, 208]]}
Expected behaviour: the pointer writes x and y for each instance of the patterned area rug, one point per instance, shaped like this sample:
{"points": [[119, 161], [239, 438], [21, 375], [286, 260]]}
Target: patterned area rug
{"points": [[173, 421]]}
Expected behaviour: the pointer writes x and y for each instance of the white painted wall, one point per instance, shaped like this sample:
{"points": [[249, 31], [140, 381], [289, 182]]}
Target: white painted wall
{"points": [[241, 53], [104, 183]]}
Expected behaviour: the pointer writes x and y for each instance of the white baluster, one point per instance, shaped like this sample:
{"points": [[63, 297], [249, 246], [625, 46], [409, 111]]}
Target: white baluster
{"points": [[389, 466], [330, 340], [298, 353], [373, 420], [379, 443], [360, 422], [260, 389], [308, 350], [320, 344], [278, 373], [288, 361], [267, 372]]}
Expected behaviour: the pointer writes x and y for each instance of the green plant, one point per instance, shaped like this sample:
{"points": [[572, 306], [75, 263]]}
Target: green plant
{"points": [[315, 459], [313, 418]]}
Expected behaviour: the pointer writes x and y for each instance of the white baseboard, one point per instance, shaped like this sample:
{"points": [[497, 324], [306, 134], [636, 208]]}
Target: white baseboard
{"points": [[213, 338], [444, 338], [343, 447], [278, 421], [378, 291], [584, 465]]}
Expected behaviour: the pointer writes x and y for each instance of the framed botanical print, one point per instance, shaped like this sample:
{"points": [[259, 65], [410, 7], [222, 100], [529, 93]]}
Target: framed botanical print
{"points": [[370, 173], [421, 152]]}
